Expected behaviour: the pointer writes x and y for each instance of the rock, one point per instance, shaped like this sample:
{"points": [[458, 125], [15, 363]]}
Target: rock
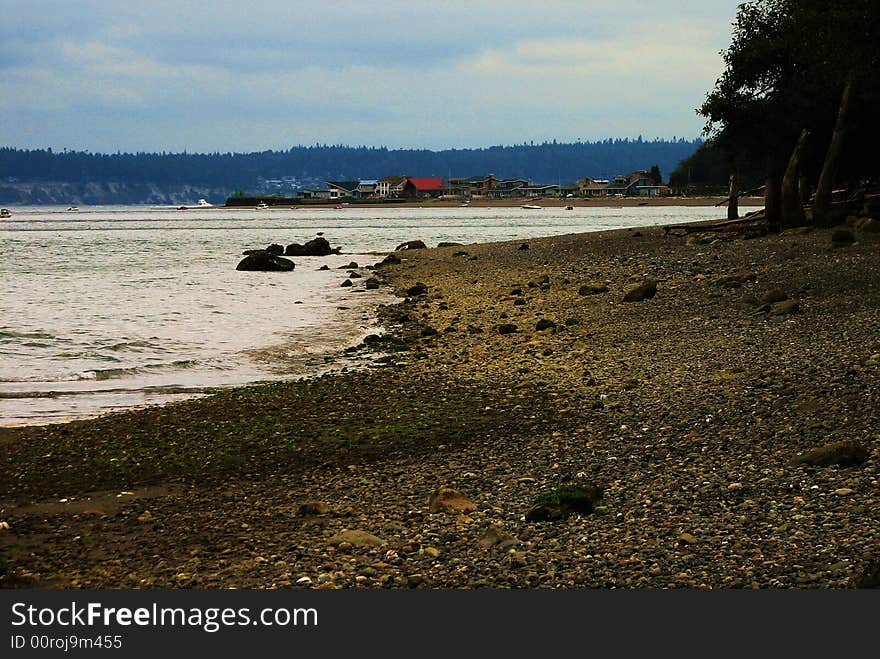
{"points": [[460, 253], [565, 500], [315, 247], [275, 249], [372, 283], [495, 536], [845, 453], [355, 538], [265, 262], [593, 288], [523, 247], [784, 308], [346, 283], [544, 324], [351, 266], [411, 244], [644, 291], [391, 259], [447, 500], [843, 491], [506, 328], [734, 281], [446, 244], [418, 289], [428, 331], [310, 508], [324, 267], [687, 539], [842, 238], [771, 296]]}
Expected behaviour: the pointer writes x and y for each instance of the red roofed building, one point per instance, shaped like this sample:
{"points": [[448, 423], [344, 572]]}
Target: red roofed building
{"points": [[423, 187]]}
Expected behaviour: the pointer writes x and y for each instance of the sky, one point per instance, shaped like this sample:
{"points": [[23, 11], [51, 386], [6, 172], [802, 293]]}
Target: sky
{"points": [[199, 76]]}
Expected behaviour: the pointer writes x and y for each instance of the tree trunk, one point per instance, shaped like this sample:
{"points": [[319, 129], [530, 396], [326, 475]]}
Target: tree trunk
{"points": [[772, 203], [822, 200], [792, 208], [733, 199]]}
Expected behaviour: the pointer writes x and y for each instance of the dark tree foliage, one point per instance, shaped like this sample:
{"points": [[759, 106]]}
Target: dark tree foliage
{"points": [[549, 162], [785, 71]]}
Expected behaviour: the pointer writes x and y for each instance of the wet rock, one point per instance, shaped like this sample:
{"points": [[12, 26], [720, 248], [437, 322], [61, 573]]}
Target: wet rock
{"points": [[276, 249], [265, 262], [447, 500], [448, 244], [391, 259], [844, 453], [346, 283], [411, 244], [565, 500], [372, 283], [324, 267], [644, 291], [315, 247]]}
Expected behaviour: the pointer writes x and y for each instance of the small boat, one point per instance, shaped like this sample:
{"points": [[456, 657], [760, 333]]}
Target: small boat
{"points": [[531, 206], [5, 212], [204, 203], [569, 208], [72, 209], [262, 206]]}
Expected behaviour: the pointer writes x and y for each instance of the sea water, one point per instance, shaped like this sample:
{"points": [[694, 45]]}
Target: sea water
{"points": [[109, 308]]}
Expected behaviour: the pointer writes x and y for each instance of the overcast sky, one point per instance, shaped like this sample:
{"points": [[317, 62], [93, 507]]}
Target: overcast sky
{"points": [[174, 75]]}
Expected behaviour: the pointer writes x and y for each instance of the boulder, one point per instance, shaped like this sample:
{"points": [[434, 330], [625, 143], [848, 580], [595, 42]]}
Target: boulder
{"points": [[276, 249], [544, 324], [418, 289], [593, 288], [447, 244], [411, 244], [315, 247], [391, 259], [644, 291], [506, 328], [263, 261], [372, 283], [447, 500]]}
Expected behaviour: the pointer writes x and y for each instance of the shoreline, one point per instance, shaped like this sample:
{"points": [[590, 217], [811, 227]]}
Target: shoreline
{"points": [[686, 408]]}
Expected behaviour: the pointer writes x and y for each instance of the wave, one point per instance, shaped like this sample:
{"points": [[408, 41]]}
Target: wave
{"points": [[130, 371]]}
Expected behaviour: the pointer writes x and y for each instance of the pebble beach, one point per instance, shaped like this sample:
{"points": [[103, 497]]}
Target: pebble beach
{"points": [[715, 392]]}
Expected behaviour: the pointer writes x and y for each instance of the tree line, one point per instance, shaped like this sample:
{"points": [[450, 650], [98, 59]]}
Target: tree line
{"points": [[796, 106], [548, 162]]}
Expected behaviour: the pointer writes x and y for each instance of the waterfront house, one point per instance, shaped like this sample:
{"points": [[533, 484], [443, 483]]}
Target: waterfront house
{"points": [[367, 188], [390, 186], [472, 186], [423, 187], [343, 189], [589, 187]]}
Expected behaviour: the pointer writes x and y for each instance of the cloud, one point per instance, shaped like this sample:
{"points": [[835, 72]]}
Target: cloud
{"points": [[207, 75]]}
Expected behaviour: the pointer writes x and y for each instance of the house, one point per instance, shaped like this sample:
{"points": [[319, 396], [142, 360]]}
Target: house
{"points": [[343, 189], [507, 188], [314, 193], [390, 186], [472, 186], [540, 191], [423, 187], [367, 188], [589, 187]]}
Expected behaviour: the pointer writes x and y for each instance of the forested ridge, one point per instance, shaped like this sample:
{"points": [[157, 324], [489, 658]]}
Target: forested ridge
{"points": [[549, 162]]}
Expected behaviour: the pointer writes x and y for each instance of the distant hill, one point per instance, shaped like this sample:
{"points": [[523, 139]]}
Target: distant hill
{"points": [[310, 166]]}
